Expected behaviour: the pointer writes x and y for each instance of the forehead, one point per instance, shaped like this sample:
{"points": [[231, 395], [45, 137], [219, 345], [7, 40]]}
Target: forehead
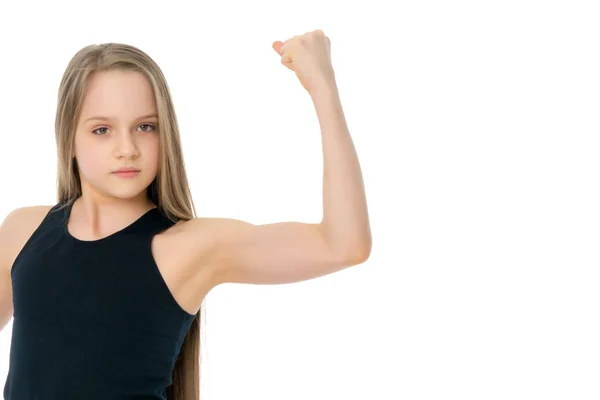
{"points": [[118, 94]]}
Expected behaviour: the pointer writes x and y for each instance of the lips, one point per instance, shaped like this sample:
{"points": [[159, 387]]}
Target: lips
{"points": [[126, 170]]}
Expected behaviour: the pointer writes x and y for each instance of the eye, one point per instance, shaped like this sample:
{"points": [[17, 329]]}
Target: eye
{"points": [[95, 131], [150, 125]]}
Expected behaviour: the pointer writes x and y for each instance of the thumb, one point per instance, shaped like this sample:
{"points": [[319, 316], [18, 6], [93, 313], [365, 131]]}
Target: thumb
{"points": [[277, 46]]}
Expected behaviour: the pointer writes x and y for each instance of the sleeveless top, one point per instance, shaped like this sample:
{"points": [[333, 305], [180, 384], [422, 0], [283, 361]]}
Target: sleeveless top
{"points": [[92, 319]]}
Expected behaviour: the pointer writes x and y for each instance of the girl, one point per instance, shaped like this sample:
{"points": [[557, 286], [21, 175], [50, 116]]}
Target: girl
{"points": [[106, 286]]}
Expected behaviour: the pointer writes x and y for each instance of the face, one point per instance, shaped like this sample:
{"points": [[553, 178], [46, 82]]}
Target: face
{"points": [[115, 130]]}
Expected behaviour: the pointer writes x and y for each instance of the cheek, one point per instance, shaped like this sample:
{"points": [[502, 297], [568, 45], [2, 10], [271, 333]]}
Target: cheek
{"points": [[89, 162], [89, 158], [150, 151]]}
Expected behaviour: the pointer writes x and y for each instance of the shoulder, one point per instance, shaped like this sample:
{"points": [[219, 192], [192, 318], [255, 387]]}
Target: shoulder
{"points": [[183, 255], [204, 235], [205, 231], [196, 237], [24, 218], [16, 229], [192, 244]]}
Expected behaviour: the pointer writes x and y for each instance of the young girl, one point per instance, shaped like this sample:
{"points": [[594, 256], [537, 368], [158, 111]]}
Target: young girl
{"points": [[106, 286]]}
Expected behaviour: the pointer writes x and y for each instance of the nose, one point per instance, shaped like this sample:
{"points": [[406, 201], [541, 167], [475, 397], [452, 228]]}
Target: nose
{"points": [[126, 146]]}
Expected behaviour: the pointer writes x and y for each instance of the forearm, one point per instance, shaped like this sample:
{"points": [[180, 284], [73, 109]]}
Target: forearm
{"points": [[345, 217]]}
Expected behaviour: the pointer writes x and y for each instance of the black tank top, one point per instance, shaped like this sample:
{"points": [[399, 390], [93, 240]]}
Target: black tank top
{"points": [[92, 319]]}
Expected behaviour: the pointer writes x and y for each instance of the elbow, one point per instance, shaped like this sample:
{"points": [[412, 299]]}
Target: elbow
{"points": [[363, 254], [356, 253], [362, 251], [348, 249]]}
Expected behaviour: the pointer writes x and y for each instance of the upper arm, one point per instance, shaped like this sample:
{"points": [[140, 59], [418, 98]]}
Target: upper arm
{"points": [[15, 230], [6, 255], [276, 253]]}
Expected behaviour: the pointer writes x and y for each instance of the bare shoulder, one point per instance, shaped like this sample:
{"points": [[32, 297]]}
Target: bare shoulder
{"points": [[182, 256], [190, 241], [16, 229], [192, 245]]}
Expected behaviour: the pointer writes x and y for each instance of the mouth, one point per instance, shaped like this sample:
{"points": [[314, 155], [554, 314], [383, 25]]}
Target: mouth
{"points": [[127, 173]]}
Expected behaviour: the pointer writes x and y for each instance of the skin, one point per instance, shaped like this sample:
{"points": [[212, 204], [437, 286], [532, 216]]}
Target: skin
{"points": [[196, 255], [123, 139]]}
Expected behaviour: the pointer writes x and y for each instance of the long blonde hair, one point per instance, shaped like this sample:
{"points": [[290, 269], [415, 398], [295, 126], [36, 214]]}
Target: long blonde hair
{"points": [[170, 189]]}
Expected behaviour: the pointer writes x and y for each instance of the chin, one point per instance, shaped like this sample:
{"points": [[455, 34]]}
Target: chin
{"points": [[125, 192]]}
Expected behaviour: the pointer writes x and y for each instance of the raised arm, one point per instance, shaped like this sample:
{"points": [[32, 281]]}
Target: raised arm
{"points": [[287, 252]]}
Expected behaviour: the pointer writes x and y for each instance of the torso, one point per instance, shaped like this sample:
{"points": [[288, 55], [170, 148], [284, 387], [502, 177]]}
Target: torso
{"points": [[188, 283]]}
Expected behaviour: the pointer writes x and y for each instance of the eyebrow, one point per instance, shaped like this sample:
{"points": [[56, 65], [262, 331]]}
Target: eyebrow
{"points": [[102, 118]]}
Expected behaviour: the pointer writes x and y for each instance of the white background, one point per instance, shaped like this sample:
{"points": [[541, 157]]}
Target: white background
{"points": [[477, 127]]}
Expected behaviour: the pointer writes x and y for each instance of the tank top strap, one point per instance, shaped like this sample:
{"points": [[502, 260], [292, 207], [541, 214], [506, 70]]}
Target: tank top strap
{"points": [[153, 222]]}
